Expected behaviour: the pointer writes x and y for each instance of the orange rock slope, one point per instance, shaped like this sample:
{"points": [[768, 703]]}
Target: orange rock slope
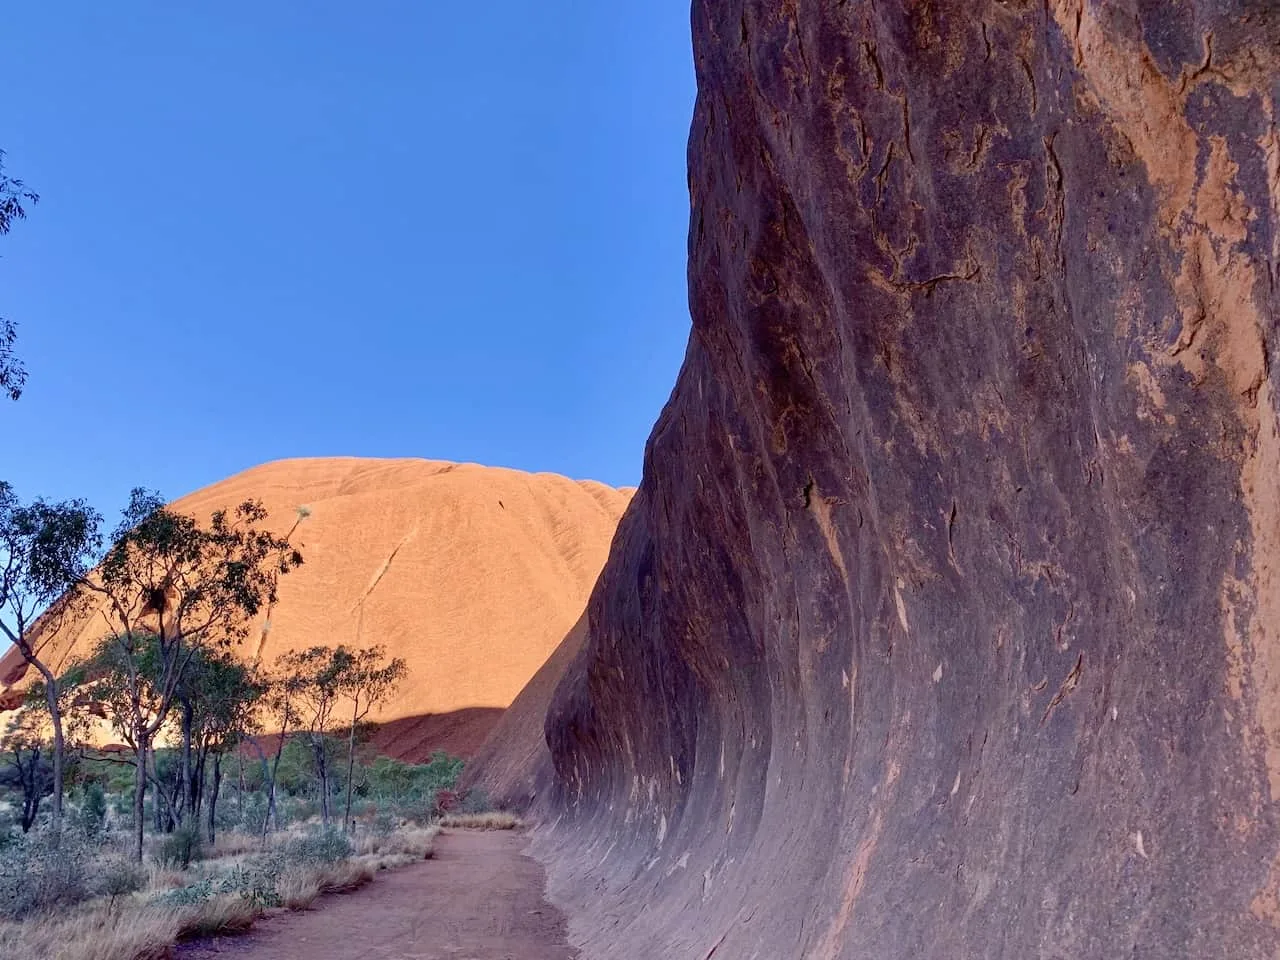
{"points": [[472, 574]]}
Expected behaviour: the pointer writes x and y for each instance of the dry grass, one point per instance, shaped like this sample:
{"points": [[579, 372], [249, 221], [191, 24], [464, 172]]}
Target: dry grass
{"points": [[229, 913], [233, 844], [298, 888], [161, 879], [496, 820], [130, 932], [136, 930], [389, 861], [344, 876], [415, 842], [140, 927]]}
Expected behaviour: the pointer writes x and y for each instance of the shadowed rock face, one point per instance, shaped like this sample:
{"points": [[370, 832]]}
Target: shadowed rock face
{"points": [[945, 622]]}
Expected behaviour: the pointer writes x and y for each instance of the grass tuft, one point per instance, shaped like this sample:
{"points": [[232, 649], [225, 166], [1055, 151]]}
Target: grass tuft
{"points": [[96, 933], [415, 842], [233, 844], [495, 820], [217, 916]]}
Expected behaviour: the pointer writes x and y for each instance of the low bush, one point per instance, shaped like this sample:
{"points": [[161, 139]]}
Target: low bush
{"points": [[42, 872], [93, 812], [255, 880], [118, 876], [475, 800], [384, 823], [322, 846], [181, 848]]}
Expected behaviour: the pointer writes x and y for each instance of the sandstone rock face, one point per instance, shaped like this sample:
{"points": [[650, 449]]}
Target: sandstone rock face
{"points": [[472, 574], [945, 622], [512, 766]]}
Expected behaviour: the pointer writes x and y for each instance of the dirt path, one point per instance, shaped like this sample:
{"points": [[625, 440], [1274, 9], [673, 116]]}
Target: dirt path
{"points": [[479, 898]]}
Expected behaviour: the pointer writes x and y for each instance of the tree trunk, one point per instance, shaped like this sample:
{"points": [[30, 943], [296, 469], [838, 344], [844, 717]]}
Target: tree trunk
{"points": [[213, 796], [351, 763], [30, 810], [322, 770], [183, 807], [139, 796], [272, 818], [197, 782], [31, 788], [59, 746]]}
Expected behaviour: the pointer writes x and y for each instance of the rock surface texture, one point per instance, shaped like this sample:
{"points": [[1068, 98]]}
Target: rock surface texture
{"points": [[946, 622], [472, 574]]}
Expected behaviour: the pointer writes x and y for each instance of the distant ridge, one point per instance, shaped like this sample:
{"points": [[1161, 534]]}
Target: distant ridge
{"points": [[473, 574]]}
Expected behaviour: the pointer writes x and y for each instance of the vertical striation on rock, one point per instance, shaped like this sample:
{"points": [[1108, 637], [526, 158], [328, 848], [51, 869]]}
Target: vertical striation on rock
{"points": [[946, 620]]}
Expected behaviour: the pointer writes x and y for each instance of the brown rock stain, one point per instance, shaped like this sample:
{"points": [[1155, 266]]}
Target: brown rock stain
{"points": [[1219, 205], [1221, 321], [829, 948], [1138, 100], [820, 507]]}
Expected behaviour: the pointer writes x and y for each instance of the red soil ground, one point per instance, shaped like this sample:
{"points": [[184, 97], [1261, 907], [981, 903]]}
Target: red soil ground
{"points": [[479, 898]]}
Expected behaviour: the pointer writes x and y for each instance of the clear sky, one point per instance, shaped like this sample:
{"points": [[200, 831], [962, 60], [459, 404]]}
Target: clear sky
{"points": [[304, 228]]}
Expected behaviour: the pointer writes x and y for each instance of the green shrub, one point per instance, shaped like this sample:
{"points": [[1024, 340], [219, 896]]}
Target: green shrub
{"points": [[323, 846], [387, 779], [181, 848], [249, 818], [475, 800], [191, 894], [256, 880], [119, 876], [296, 811], [93, 812], [41, 872]]}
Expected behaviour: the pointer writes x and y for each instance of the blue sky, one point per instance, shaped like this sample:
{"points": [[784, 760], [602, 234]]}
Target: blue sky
{"points": [[316, 228]]}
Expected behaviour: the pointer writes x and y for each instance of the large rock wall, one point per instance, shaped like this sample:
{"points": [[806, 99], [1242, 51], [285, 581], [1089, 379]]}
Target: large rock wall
{"points": [[945, 622], [471, 574]]}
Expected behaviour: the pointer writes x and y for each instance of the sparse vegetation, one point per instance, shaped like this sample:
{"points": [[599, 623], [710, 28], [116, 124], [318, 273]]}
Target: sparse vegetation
{"points": [[115, 854], [180, 848], [83, 897], [494, 820], [197, 827], [43, 872], [173, 589]]}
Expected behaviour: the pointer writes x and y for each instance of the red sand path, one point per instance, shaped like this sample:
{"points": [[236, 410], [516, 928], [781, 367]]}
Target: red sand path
{"points": [[479, 898]]}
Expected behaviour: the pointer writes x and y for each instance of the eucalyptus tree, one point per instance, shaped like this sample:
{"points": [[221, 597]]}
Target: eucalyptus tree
{"points": [[45, 551], [14, 199], [368, 680], [171, 587]]}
